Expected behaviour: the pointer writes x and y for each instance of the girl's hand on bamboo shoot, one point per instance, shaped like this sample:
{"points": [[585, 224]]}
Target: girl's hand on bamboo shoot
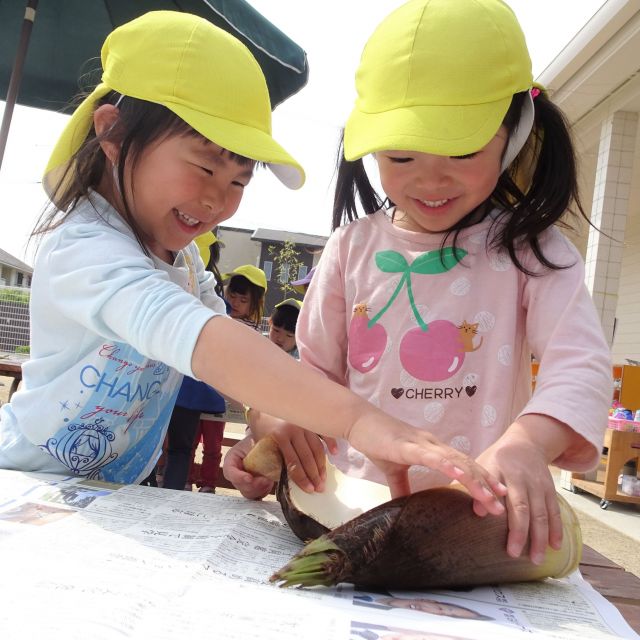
{"points": [[304, 455], [303, 451], [532, 507], [403, 446], [251, 487]]}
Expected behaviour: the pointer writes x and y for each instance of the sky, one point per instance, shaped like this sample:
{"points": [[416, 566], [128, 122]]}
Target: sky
{"points": [[333, 34]]}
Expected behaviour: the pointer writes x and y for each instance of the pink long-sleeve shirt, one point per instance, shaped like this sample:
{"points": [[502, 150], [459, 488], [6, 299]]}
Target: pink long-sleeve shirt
{"points": [[445, 344]]}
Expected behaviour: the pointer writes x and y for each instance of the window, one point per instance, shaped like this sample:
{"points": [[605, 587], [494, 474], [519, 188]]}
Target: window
{"points": [[284, 276], [302, 271], [268, 268]]}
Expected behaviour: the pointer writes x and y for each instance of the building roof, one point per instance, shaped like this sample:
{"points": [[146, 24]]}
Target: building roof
{"points": [[14, 263], [275, 235], [221, 228], [596, 73]]}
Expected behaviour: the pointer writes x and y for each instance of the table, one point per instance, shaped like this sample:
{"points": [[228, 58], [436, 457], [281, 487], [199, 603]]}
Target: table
{"points": [[105, 561], [618, 586], [11, 366]]}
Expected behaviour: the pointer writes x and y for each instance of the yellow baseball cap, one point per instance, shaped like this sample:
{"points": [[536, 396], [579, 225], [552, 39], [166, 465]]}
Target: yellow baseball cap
{"points": [[290, 302], [203, 74], [204, 242], [251, 273], [437, 76]]}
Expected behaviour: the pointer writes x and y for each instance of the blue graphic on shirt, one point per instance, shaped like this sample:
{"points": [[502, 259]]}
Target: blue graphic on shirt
{"points": [[115, 419], [84, 448]]}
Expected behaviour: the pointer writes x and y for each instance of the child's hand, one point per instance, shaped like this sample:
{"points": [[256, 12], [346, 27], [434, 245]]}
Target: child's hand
{"points": [[302, 450], [251, 487], [531, 501], [403, 446], [304, 454]]}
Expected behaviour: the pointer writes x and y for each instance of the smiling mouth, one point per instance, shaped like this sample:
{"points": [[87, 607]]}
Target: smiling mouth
{"points": [[188, 220], [435, 203]]}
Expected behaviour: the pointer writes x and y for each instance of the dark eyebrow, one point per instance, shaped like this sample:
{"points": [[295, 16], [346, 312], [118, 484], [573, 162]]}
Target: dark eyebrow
{"points": [[240, 159], [218, 159]]}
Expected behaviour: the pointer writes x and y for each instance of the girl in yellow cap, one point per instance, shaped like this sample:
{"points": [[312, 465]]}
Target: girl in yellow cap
{"points": [[121, 305], [430, 306], [245, 293], [187, 424]]}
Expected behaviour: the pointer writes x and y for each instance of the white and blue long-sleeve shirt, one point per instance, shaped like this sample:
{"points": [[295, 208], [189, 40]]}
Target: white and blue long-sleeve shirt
{"points": [[112, 332]]}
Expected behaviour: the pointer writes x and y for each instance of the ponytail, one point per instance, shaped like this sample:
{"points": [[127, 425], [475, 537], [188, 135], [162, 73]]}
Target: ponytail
{"points": [[352, 180], [540, 187]]}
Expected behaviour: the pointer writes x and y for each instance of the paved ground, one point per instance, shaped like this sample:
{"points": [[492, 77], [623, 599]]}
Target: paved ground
{"points": [[5, 383], [614, 532]]}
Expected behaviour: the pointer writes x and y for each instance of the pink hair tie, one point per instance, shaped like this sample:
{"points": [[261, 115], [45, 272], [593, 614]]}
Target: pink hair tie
{"points": [[535, 92]]}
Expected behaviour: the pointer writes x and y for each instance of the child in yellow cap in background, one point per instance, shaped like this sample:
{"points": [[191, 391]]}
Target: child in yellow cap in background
{"points": [[187, 424], [282, 325], [430, 305], [122, 307], [245, 292], [282, 332]]}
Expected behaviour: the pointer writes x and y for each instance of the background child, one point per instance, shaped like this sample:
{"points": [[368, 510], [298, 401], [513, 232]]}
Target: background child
{"points": [[429, 307], [195, 398], [282, 325], [245, 293], [301, 286], [121, 306], [282, 332]]}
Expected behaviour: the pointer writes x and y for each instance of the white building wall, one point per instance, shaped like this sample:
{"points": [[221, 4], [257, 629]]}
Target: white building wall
{"points": [[603, 260], [626, 343], [238, 249]]}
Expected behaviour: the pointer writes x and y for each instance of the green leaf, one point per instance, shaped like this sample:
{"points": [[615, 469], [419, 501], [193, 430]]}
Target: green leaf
{"points": [[437, 261], [391, 262]]}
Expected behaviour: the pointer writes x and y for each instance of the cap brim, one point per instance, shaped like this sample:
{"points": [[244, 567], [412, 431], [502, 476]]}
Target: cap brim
{"points": [[295, 304], [441, 130], [246, 141]]}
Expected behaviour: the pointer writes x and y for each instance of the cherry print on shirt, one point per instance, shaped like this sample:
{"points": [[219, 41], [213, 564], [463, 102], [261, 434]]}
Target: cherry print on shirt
{"points": [[430, 352], [366, 343]]}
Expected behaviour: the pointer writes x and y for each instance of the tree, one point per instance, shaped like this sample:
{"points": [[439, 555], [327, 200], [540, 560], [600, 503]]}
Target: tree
{"points": [[287, 263]]}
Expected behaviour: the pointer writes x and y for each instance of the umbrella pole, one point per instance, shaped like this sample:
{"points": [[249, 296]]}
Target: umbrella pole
{"points": [[16, 73]]}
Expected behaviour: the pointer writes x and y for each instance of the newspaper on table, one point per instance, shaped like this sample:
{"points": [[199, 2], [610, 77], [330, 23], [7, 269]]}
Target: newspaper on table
{"points": [[87, 559]]}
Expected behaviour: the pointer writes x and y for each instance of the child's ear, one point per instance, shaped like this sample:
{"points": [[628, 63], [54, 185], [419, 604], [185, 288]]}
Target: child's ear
{"points": [[105, 118]]}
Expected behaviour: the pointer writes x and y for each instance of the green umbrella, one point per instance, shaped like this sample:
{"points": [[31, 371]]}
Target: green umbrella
{"points": [[61, 43]]}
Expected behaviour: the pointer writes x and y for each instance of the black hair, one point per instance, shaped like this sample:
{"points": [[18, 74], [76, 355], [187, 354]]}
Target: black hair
{"points": [[534, 193], [212, 265], [244, 287], [140, 123], [285, 317]]}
